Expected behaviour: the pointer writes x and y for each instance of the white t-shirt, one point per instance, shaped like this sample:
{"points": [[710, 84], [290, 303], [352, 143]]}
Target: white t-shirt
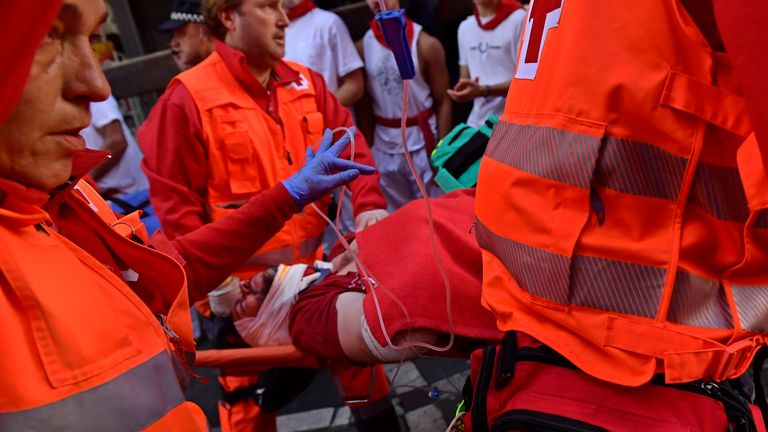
{"points": [[386, 89], [491, 56], [320, 40], [126, 176]]}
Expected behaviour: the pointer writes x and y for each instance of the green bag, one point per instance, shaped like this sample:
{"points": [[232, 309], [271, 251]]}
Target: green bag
{"points": [[457, 156]]}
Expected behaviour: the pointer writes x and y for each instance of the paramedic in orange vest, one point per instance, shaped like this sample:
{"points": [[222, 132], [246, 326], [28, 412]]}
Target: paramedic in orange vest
{"points": [[234, 125], [96, 323], [621, 200]]}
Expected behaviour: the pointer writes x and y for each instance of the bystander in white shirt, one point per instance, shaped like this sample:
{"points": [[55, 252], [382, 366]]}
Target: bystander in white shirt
{"points": [[491, 56], [126, 177], [320, 40]]}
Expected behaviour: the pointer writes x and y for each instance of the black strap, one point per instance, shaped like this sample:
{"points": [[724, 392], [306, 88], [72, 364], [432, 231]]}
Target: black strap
{"points": [[239, 395], [736, 407], [129, 208], [506, 369], [466, 155], [760, 396]]}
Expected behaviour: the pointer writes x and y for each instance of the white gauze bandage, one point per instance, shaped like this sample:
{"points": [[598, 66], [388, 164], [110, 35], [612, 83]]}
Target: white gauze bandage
{"points": [[270, 326]]}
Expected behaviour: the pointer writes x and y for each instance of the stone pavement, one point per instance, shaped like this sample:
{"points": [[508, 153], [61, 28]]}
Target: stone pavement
{"points": [[425, 393]]}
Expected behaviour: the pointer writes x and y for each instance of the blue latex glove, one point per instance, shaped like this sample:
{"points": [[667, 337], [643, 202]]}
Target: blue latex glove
{"points": [[324, 171]]}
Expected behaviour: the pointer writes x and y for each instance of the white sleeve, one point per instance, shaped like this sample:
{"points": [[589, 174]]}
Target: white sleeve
{"points": [[347, 58], [517, 31], [105, 112], [462, 35]]}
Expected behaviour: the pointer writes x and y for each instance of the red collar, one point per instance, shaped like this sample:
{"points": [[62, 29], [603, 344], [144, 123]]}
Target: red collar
{"points": [[503, 9], [300, 9], [380, 37], [24, 206], [235, 60]]}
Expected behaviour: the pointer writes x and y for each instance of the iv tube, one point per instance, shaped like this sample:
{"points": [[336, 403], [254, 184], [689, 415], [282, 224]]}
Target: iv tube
{"points": [[367, 278]]}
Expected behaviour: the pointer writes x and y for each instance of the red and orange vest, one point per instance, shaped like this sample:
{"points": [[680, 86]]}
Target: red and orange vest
{"points": [[611, 212], [249, 152], [88, 349]]}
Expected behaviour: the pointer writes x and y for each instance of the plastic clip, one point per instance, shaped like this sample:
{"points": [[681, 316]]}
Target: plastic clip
{"points": [[392, 24]]}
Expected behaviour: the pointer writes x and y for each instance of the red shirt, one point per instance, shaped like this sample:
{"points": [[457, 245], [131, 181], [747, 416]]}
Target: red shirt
{"points": [[175, 159]]}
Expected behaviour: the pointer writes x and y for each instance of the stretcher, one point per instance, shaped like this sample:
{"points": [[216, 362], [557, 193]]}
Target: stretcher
{"points": [[250, 361]]}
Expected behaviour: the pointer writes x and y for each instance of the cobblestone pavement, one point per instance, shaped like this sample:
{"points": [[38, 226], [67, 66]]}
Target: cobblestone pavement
{"points": [[425, 393]]}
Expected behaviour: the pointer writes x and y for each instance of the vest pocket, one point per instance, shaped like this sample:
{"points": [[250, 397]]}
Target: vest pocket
{"points": [[72, 322], [550, 194], [242, 172], [313, 125]]}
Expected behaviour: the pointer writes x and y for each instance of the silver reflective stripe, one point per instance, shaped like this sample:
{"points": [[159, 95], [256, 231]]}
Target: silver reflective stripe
{"points": [[718, 190], [752, 304], [310, 245], [624, 165], [616, 286], [130, 402], [621, 286], [638, 168], [271, 258], [284, 255], [540, 272], [699, 301], [599, 283], [565, 157]]}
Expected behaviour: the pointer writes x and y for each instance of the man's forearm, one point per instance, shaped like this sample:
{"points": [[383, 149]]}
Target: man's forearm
{"points": [[351, 88]]}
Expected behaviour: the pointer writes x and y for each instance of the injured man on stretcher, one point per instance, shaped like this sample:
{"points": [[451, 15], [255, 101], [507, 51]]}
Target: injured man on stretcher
{"points": [[328, 312]]}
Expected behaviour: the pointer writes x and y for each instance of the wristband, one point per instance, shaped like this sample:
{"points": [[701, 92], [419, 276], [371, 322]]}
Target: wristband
{"points": [[487, 90]]}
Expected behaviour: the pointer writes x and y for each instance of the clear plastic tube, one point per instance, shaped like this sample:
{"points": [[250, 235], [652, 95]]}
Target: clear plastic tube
{"points": [[371, 282], [368, 279]]}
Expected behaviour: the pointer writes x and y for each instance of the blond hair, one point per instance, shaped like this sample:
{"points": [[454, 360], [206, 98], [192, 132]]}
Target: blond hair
{"points": [[211, 9]]}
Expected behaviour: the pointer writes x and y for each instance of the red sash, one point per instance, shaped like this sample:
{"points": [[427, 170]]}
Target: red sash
{"points": [[503, 10], [300, 9]]}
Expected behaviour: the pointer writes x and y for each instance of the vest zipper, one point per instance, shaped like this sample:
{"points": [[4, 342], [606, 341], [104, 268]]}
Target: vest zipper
{"points": [[736, 407], [541, 422], [542, 355], [178, 349]]}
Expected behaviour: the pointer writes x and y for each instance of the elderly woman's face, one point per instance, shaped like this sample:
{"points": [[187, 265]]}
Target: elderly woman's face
{"points": [[42, 134]]}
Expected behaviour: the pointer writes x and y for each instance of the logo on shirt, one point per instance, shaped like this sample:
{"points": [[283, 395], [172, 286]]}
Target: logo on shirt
{"points": [[543, 15], [302, 84], [484, 47]]}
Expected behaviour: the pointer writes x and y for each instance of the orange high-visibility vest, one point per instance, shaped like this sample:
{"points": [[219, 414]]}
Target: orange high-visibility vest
{"points": [[613, 223], [85, 351], [249, 152]]}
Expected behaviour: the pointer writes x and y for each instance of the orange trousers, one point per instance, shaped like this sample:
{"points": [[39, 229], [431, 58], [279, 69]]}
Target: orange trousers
{"points": [[361, 386]]}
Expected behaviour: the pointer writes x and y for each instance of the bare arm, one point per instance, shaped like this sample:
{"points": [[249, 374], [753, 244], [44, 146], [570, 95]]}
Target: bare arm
{"points": [[351, 89], [468, 89], [363, 109], [464, 72], [436, 74], [115, 143]]}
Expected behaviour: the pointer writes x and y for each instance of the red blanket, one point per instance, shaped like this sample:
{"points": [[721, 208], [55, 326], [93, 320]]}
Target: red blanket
{"points": [[398, 254]]}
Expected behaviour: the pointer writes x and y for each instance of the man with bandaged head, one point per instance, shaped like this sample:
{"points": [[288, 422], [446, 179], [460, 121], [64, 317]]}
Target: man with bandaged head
{"points": [[97, 313]]}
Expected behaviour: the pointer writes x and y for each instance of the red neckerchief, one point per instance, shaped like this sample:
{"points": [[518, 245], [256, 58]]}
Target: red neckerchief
{"points": [[503, 10], [380, 37], [300, 9]]}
